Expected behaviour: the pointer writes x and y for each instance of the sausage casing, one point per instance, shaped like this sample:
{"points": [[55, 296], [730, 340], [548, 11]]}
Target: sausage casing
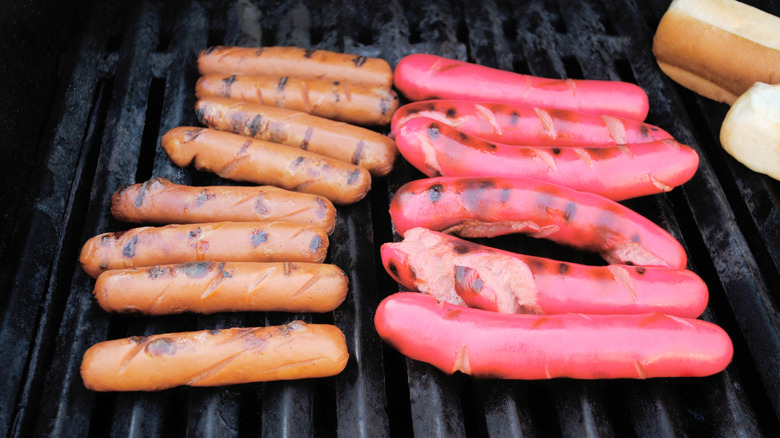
{"points": [[295, 61], [241, 158], [160, 201], [209, 287], [218, 241], [335, 100], [215, 357], [342, 141]]}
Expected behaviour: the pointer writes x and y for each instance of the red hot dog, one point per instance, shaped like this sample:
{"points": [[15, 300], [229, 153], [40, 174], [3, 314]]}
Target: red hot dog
{"points": [[492, 345]]}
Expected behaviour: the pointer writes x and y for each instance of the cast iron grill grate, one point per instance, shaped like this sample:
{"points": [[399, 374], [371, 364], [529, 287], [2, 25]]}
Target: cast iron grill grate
{"points": [[131, 78]]}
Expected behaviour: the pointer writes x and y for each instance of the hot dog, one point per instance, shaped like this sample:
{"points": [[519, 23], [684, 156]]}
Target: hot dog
{"points": [[295, 61], [530, 126], [219, 241], [488, 207], [352, 144], [422, 77], [465, 273], [240, 158], [493, 345], [615, 172], [209, 287], [215, 357], [336, 100], [159, 201]]}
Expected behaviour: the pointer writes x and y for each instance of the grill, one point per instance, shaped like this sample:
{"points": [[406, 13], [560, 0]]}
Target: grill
{"points": [[129, 76]]}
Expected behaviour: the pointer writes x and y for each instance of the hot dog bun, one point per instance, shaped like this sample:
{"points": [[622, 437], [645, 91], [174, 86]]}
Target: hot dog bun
{"points": [[751, 129], [718, 48], [215, 357]]}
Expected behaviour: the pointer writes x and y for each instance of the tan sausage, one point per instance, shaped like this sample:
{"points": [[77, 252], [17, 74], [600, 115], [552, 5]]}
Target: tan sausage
{"points": [[215, 357], [342, 141], [295, 61], [219, 242], [336, 100], [159, 201], [209, 287], [241, 158]]}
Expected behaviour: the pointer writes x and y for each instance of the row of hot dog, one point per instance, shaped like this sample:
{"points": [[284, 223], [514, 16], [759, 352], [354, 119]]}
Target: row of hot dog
{"points": [[242, 248], [531, 164]]}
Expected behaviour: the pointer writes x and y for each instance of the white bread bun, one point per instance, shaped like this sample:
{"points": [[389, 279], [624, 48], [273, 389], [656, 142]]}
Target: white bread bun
{"points": [[751, 130], [718, 48]]}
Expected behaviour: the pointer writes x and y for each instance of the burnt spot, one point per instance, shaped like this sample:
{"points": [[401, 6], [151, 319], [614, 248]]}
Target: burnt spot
{"points": [[353, 177], [244, 147], [297, 162], [203, 196], [214, 332], [461, 249], [569, 211], [308, 53], [506, 195], [260, 205], [195, 232], [259, 51], [129, 249], [161, 346], [602, 153], [322, 208], [556, 151], [316, 244], [258, 237], [336, 83], [282, 83], [197, 269], [643, 129], [433, 131], [452, 113], [431, 106], [359, 61], [254, 125], [359, 152], [139, 200], [227, 84], [192, 134], [210, 49], [386, 103], [636, 238], [641, 270], [238, 121], [307, 138], [159, 271], [393, 269], [463, 136], [563, 268], [514, 119], [200, 114], [138, 339], [434, 192]]}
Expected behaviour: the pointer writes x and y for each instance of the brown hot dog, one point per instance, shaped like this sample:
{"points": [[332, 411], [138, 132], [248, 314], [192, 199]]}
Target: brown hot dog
{"points": [[342, 141], [336, 100], [215, 357], [209, 287], [220, 241], [159, 201], [294, 61], [240, 158]]}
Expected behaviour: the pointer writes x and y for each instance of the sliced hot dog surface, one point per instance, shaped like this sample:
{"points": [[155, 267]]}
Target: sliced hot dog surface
{"points": [[241, 158], [530, 126], [210, 287], [466, 273], [217, 241], [160, 201], [422, 76], [615, 172], [331, 99], [295, 61], [215, 357], [493, 206], [492, 345], [342, 141]]}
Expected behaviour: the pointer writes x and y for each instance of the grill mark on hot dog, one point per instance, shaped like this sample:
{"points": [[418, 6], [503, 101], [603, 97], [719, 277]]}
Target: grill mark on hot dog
{"points": [[353, 177], [156, 272], [192, 134], [258, 237], [129, 248], [308, 53], [359, 151], [307, 138], [282, 83], [210, 49], [297, 162], [203, 196], [434, 192], [260, 205], [227, 83], [139, 199], [316, 244], [254, 125], [215, 281], [197, 269], [359, 61]]}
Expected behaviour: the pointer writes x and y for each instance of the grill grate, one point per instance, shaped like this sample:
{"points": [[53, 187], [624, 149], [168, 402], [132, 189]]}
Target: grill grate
{"points": [[131, 77]]}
